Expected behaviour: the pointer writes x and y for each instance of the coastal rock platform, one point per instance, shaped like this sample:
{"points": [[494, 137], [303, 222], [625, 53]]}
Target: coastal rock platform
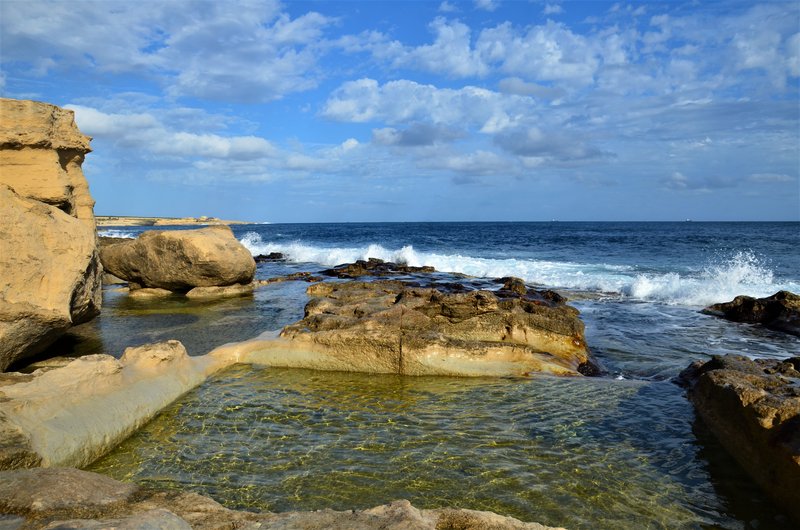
{"points": [[388, 326], [68, 498], [753, 408]]}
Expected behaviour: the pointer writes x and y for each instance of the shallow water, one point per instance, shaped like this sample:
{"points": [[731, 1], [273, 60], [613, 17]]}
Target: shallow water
{"points": [[582, 453]]}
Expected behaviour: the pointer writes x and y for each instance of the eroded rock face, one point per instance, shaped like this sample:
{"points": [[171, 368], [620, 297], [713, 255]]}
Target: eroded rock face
{"points": [[50, 275], [41, 152], [753, 408], [69, 498], [390, 327], [781, 311], [180, 260], [49, 267]]}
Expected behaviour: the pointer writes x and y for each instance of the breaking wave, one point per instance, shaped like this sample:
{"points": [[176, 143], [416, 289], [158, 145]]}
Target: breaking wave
{"points": [[742, 273], [116, 233]]}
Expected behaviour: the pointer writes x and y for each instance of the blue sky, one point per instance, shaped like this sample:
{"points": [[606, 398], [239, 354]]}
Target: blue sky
{"points": [[423, 111]]}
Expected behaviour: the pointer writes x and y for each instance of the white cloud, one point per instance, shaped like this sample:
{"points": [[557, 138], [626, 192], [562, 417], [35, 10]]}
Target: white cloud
{"points": [[480, 162], [447, 7], [207, 50], [406, 102], [486, 5], [450, 53], [771, 178], [552, 9]]}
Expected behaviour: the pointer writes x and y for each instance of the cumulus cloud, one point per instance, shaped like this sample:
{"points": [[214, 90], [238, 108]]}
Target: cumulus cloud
{"points": [[538, 144], [552, 9], [480, 162], [415, 135], [677, 181], [486, 5], [405, 101], [205, 50]]}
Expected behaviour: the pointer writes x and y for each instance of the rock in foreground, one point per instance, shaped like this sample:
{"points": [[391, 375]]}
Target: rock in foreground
{"points": [[390, 327], [781, 311], [68, 498], [72, 415], [49, 267], [180, 260], [753, 408]]}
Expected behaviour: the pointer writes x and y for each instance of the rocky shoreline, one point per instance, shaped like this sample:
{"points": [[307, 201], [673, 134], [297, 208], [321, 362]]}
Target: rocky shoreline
{"points": [[369, 316], [125, 220]]}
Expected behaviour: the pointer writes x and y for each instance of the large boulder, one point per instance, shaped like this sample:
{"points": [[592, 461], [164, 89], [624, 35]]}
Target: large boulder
{"points": [[781, 311], [179, 260], [41, 152], [49, 266], [391, 327], [753, 408], [70, 498], [50, 275]]}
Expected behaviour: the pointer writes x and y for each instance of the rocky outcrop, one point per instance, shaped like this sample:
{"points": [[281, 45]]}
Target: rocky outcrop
{"points": [[49, 266], [781, 311], [74, 414], [41, 152], [389, 327], [69, 498], [753, 408], [374, 267], [50, 275], [180, 260]]}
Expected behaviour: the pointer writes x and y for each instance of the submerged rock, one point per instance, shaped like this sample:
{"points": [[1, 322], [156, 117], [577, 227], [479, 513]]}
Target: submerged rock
{"points": [[49, 267], [780, 312], [389, 327], [180, 260], [753, 408], [69, 498]]}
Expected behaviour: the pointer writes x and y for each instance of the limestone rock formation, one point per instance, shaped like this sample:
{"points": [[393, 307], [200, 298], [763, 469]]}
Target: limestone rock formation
{"points": [[390, 327], [69, 498], [41, 152], [781, 311], [180, 260], [72, 415], [50, 275], [49, 267], [753, 408]]}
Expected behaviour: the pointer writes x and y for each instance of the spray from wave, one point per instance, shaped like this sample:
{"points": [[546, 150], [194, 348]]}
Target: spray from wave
{"points": [[742, 273], [116, 233]]}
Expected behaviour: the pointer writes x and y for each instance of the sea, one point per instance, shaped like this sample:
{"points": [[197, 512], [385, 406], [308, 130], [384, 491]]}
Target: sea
{"points": [[622, 450]]}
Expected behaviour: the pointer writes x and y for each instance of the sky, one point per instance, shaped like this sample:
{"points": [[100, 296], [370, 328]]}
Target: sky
{"points": [[486, 110]]}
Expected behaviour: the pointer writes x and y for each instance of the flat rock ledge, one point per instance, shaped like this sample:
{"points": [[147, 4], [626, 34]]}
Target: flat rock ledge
{"points": [[753, 408], [780, 312], [388, 326], [67, 498]]}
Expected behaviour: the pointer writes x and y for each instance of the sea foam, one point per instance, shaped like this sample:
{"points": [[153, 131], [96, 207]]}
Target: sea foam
{"points": [[742, 273], [116, 233]]}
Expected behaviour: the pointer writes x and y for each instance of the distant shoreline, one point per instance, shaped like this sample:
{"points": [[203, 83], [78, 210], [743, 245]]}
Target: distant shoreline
{"points": [[126, 220]]}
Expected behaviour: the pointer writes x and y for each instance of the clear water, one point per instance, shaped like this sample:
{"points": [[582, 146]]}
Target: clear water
{"points": [[621, 451]]}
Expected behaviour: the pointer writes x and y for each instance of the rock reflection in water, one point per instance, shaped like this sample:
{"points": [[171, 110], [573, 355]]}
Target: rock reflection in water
{"points": [[574, 452]]}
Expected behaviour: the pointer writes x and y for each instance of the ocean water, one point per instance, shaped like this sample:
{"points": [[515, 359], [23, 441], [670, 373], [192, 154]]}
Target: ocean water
{"points": [[620, 451]]}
